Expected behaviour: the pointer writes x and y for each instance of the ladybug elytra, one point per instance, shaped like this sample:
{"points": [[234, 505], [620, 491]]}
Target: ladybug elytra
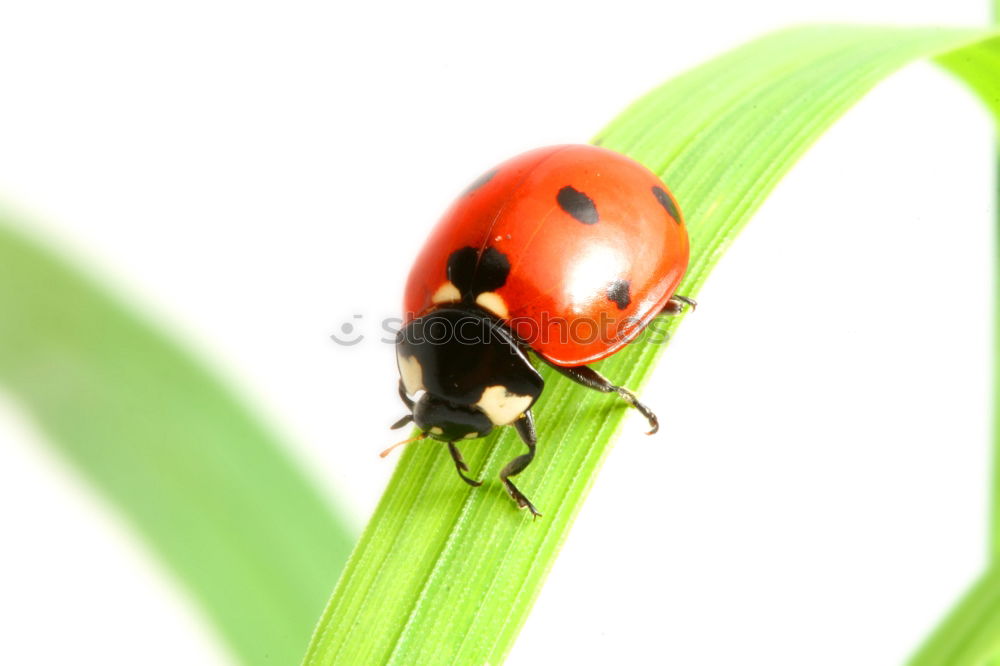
{"points": [[565, 252]]}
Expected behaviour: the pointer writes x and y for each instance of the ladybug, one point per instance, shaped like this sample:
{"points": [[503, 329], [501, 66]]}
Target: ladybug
{"points": [[565, 253]]}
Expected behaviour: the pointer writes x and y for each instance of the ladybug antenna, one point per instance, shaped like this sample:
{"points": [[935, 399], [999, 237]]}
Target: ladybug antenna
{"points": [[416, 438]]}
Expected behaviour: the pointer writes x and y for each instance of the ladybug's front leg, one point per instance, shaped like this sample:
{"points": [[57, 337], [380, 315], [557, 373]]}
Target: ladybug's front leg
{"points": [[409, 405], [405, 398], [525, 427], [460, 465], [676, 304], [591, 378]]}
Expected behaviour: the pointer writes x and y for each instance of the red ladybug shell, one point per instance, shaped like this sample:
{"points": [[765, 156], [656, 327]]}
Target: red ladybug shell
{"points": [[576, 247]]}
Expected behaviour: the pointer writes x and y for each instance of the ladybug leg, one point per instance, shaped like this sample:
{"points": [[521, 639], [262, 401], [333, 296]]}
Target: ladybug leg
{"points": [[405, 398], [676, 305], [409, 405], [525, 427], [401, 422], [460, 465], [591, 378]]}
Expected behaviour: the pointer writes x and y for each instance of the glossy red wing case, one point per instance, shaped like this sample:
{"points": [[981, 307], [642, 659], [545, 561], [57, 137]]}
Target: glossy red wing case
{"points": [[576, 247]]}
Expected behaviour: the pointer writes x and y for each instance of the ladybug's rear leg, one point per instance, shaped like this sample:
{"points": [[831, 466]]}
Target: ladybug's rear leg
{"points": [[460, 465], [676, 305], [525, 427], [591, 378]]}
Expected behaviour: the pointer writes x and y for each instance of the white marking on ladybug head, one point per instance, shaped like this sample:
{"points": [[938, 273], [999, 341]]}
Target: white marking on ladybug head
{"points": [[471, 435], [501, 406], [411, 373], [437, 431], [492, 301], [446, 293]]}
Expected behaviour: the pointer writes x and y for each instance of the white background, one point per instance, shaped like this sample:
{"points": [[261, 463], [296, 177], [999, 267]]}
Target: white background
{"points": [[254, 175]]}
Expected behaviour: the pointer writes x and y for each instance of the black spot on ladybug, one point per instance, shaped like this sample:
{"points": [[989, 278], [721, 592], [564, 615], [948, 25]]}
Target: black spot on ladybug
{"points": [[493, 271], [667, 202], [618, 292], [479, 182], [473, 273], [577, 204], [462, 268]]}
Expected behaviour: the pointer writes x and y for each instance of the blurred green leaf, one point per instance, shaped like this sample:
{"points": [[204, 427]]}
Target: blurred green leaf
{"points": [[970, 635], [971, 632], [991, 93], [447, 574], [213, 492]]}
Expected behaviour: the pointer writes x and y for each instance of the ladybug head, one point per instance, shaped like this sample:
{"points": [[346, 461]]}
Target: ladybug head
{"points": [[446, 422], [466, 372]]}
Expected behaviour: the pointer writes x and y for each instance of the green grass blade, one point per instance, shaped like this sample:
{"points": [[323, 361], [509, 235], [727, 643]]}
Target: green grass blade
{"points": [[978, 66], [447, 574], [996, 326], [211, 490], [971, 633]]}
